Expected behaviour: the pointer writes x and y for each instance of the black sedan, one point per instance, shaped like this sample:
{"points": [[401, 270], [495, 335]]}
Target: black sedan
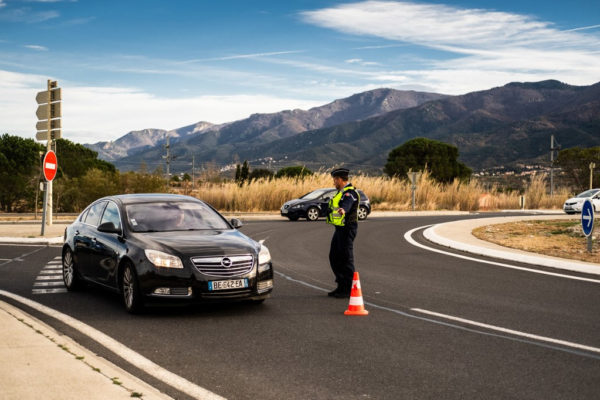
{"points": [[164, 247], [314, 205]]}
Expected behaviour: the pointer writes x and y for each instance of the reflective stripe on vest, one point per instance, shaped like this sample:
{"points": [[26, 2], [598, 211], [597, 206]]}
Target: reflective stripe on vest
{"points": [[333, 217]]}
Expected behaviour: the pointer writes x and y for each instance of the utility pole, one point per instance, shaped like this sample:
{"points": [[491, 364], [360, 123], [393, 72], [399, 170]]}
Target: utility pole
{"points": [[554, 146], [168, 160], [592, 166]]}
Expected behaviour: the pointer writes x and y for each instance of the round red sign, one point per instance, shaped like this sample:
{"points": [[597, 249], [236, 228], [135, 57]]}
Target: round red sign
{"points": [[50, 165]]}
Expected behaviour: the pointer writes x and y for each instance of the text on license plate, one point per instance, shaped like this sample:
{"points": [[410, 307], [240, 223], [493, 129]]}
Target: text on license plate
{"points": [[230, 284]]}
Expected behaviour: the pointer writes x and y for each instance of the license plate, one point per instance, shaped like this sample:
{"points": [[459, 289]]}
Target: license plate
{"points": [[284, 211], [231, 284]]}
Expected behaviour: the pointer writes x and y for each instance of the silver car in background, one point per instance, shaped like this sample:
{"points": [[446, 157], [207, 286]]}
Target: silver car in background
{"points": [[574, 204]]}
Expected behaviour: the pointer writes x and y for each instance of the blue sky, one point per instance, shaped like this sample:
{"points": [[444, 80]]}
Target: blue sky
{"points": [[135, 64]]}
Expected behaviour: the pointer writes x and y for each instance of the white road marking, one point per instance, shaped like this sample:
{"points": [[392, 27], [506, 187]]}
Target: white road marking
{"points": [[48, 277], [20, 258], [136, 359], [527, 338], [54, 263], [510, 331], [43, 284], [48, 291], [49, 271], [409, 239]]}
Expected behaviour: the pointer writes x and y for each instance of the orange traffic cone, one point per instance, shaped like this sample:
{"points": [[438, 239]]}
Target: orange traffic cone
{"points": [[356, 306]]}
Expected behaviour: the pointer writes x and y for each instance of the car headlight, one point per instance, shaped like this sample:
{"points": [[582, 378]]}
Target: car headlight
{"points": [[163, 260], [264, 257]]}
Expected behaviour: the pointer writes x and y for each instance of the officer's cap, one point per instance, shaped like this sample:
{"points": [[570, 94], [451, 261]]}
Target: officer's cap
{"points": [[341, 172]]}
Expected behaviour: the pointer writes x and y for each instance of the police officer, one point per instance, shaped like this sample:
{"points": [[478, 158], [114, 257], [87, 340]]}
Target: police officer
{"points": [[343, 214]]}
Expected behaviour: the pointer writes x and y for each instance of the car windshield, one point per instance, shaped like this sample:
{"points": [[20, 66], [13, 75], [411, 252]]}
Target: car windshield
{"points": [[315, 194], [588, 193], [173, 216]]}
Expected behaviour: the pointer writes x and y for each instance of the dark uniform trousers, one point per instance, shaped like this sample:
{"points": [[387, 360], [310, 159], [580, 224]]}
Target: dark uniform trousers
{"points": [[341, 255]]}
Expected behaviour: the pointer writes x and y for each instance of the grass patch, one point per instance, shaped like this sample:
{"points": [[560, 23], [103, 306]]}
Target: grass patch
{"points": [[557, 238], [391, 194]]}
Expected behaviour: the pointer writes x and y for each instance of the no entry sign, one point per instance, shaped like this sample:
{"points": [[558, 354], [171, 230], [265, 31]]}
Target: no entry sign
{"points": [[50, 165]]}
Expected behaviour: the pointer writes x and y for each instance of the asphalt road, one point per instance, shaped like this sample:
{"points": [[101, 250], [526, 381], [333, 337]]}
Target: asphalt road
{"points": [[299, 345]]}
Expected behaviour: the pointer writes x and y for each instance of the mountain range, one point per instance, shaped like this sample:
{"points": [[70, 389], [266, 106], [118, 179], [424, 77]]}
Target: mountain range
{"points": [[501, 126]]}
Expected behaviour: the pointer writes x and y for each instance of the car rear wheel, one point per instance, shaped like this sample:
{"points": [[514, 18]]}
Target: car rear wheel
{"points": [[70, 276], [362, 213], [132, 296], [312, 214]]}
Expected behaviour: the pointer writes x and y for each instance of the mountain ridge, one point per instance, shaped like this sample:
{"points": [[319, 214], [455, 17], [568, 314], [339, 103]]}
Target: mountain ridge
{"points": [[500, 126]]}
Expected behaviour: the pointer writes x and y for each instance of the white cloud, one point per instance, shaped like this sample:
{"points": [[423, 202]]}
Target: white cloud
{"points": [[92, 114], [36, 47], [252, 55], [487, 45], [362, 62], [25, 14], [2, 3]]}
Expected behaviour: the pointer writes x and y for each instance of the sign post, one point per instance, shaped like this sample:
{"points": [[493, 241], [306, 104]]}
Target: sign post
{"points": [[49, 113], [414, 177], [49, 167], [587, 222]]}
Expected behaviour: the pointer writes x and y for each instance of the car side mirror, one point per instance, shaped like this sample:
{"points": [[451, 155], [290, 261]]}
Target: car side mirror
{"points": [[236, 223], [109, 227]]}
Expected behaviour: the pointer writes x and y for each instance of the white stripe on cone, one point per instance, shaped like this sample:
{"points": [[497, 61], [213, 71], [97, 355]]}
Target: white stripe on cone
{"points": [[356, 301]]}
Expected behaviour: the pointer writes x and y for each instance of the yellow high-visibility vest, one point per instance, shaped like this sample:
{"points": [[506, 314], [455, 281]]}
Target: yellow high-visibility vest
{"points": [[333, 217]]}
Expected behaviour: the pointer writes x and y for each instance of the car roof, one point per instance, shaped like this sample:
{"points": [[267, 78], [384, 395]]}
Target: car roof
{"points": [[148, 198]]}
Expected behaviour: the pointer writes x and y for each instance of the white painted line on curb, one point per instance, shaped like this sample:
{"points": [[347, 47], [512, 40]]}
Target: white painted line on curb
{"points": [[409, 239], [508, 254], [510, 331], [528, 339], [134, 358]]}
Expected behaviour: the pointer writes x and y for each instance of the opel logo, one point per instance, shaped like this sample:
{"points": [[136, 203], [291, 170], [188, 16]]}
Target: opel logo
{"points": [[226, 262]]}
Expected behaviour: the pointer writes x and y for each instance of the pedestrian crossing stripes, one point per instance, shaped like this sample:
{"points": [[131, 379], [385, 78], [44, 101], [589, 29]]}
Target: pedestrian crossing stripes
{"points": [[50, 279]]}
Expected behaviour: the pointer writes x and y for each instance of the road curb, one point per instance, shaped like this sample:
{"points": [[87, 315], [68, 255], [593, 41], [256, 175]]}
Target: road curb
{"points": [[505, 253], [58, 240], [103, 372]]}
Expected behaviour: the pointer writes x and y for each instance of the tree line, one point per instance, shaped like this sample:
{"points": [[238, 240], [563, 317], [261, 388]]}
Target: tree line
{"points": [[82, 177]]}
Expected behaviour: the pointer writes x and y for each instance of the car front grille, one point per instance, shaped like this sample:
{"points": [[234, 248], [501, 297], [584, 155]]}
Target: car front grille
{"points": [[224, 267]]}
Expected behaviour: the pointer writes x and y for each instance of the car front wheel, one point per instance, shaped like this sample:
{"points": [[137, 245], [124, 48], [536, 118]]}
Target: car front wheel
{"points": [[70, 277], [130, 289], [312, 214], [362, 213]]}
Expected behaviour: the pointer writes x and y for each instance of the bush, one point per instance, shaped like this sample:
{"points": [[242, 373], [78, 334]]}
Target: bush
{"points": [[260, 174], [293, 172]]}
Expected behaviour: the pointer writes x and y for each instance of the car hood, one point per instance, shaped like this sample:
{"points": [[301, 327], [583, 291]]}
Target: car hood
{"points": [[294, 202], [577, 199], [198, 243]]}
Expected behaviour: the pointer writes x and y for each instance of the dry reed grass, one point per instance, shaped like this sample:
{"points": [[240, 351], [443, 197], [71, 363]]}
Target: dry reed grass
{"points": [[390, 194]]}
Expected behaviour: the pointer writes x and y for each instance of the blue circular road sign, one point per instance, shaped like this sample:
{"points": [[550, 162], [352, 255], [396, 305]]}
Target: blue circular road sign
{"points": [[587, 217]]}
